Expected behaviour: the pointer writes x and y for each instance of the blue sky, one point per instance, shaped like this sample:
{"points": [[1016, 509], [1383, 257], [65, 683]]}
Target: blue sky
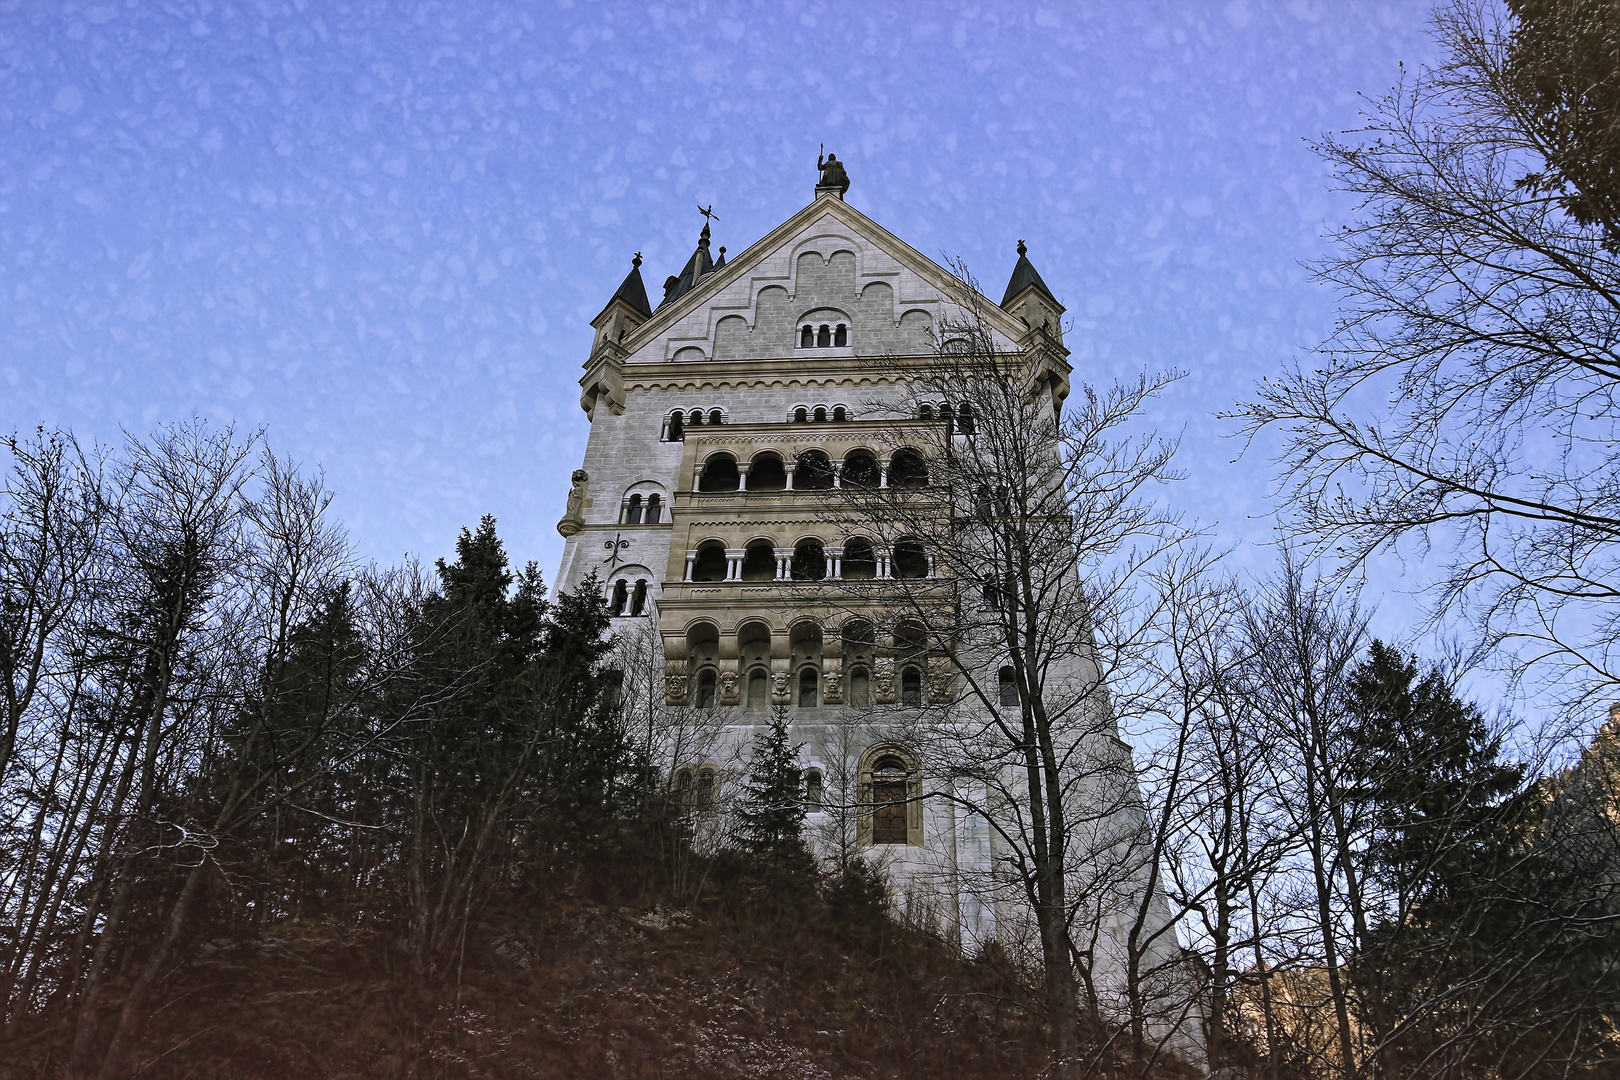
{"points": [[379, 230]]}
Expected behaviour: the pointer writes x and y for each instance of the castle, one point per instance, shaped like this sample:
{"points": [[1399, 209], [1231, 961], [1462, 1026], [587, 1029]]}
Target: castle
{"points": [[727, 423]]}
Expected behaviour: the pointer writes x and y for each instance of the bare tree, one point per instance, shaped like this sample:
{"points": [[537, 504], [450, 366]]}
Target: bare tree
{"points": [[1015, 535], [1467, 399]]}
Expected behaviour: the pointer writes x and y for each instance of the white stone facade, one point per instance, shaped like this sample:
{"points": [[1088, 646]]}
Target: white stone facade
{"points": [[736, 645]]}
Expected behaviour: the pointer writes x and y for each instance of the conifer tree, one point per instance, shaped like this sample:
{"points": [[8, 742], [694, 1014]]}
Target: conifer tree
{"points": [[771, 811]]}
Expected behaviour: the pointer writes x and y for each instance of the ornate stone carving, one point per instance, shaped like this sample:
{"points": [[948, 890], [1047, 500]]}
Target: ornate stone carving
{"points": [[779, 688], [674, 689], [728, 688], [574, 519], [834, 693]]}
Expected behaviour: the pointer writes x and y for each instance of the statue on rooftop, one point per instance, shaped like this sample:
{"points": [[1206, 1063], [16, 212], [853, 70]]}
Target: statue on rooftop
{"points": [[832, 172]]}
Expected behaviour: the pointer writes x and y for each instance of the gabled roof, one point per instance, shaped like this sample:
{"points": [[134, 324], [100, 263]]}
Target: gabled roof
{"points": [[679, 304], [632, 290], [1023, 276], [695, 270]]}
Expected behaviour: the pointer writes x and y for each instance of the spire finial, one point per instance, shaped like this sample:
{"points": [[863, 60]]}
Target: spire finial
{"points": [[1022, 250], [636, 262]]}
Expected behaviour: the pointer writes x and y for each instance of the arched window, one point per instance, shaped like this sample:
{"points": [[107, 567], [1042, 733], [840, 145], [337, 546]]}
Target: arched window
{"points": [[860, 687], [716, 417], [809, 561], [925, 413], [705, 689], [696, 419], [620, 596], [652, 510], [759, 561], [812, 790], [839, 414], [684, 791], [860, 469], [719, 473], [964, 419], [840, 336], [813, 471], [948, 417], [889, 798], [1008, 687], [677, 432], [632, 513], [823, 336], [801, 415], [710, 564], [807, 337], [758, 690], [809, 687], [638, 598], [911, 686], [907, 469], [860, 561], [765, 472], [910, 561], [821, 414], [705, 791], [992, 592]]}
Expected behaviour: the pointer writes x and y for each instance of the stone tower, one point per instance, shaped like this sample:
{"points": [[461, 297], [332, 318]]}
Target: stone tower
{"points": [[724, 423]]}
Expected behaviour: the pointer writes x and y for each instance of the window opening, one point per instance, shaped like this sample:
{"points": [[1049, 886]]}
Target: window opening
{"points": [[765, 473], [710, 564], [696, 419], [964, 419], [823, 336], [821, 414], [807, 337], [841, 336], [839, 414], [705, 691], [809, 561], [1009, 688], [759, 561], [652, 510], [860, 687], [860, 469], [889, 796], [860, 561], [911, 687], [907, 470], [676, 427], [910, 560], [812, 789], [632, 514], [809, 684], [638, 599], [757, 690], [716, 417], [684, 791], [925, 413], [619, 595], [705, 791], [719, 474], [813, 472], [801, 415]]}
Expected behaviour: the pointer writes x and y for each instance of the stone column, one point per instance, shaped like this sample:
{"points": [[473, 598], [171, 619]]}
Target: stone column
{"points": [[838, 474], [883, 475], [788, 467], [691, 557], [734, 558], [742, 475], [697, 476], [835, 563], [882, 562]]}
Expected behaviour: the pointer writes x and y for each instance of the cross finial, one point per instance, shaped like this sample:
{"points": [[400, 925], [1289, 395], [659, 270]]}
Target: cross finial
{"points": [[708, 213], [637, 260], [1022, 250]]}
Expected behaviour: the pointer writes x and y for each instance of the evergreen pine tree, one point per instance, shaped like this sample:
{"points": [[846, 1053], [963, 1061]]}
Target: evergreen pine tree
{"points": [[771, 811]]}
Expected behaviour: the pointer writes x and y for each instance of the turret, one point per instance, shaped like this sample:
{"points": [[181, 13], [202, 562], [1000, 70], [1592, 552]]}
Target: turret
{"points": [[1032, 303], [627, 310]]}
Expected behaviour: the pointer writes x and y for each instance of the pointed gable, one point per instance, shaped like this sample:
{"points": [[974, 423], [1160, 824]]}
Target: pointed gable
{"points": [[828, 265]]}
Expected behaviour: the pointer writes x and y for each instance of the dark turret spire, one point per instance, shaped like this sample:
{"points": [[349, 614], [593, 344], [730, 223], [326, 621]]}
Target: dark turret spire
{"points": [[1023, 276], [697, 267], [633, 291]]}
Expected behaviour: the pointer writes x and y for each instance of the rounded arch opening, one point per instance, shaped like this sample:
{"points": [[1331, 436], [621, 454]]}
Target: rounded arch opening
{"points": [[719, 473]]}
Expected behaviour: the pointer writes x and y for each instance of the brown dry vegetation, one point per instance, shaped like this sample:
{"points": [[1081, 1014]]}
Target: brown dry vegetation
{"points": [[574, 982]]}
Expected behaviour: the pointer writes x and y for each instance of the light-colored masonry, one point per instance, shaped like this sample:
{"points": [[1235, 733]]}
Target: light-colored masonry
{"points": [[722, 424]]}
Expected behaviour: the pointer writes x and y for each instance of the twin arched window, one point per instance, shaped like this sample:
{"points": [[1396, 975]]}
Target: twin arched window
{"points": [[628, 599], [825, 336], [695, 789], [637, 513]]}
